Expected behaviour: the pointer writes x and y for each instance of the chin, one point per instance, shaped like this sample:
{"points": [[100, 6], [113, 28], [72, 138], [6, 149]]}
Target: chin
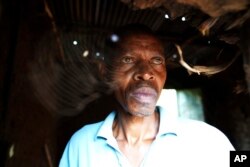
{"points": [[142, 111]]}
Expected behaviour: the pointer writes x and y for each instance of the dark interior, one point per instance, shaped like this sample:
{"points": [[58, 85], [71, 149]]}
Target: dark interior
{"points": [[214, 35]]}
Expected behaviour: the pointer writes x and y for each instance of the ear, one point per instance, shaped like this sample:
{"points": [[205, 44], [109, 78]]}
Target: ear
{"points": [[101, 68]]}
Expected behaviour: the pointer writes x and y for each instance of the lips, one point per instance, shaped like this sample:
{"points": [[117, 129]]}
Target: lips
{"points": [[144, 95]]}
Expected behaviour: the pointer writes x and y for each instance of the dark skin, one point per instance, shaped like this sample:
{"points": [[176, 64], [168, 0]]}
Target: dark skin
{"points": [[139, 75]]}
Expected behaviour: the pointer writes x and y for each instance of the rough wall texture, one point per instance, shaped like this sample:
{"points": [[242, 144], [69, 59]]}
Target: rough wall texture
{"points": [[225, 108]]}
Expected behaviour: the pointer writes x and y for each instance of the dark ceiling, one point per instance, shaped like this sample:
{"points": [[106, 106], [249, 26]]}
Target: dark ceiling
{"points": [[208, 33], [178, 18], [101, 16]]}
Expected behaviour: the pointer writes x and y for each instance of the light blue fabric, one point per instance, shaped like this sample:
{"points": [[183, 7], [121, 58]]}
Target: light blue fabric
{"points": [[179, 143]]}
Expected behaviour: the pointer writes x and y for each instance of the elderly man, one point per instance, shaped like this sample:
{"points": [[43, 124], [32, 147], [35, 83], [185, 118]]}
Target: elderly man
{"points": [[139, 133]]}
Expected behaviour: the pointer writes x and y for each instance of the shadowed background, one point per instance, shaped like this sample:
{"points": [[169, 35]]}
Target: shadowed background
{"points": [[56, 45]]}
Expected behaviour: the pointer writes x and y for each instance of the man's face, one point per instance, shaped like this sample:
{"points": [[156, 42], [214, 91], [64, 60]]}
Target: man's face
{"points": [[139, 74]]}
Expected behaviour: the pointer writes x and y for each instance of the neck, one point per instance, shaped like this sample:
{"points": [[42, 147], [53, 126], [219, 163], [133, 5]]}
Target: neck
{"points": [[133, 129]]}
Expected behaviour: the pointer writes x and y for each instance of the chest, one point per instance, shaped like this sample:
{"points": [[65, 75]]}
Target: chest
{"points": [[167, 151]]}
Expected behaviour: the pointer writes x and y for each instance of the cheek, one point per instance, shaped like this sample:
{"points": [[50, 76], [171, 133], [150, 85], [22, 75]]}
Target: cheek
{"points": [[120, 83], [162, 76], [121, 97], [161, 81], [165, 76], [122, 75], [159, 68]]}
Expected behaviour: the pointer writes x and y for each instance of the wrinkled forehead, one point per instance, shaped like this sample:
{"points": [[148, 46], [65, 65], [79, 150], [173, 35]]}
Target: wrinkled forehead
{"points": [[143, 41]]}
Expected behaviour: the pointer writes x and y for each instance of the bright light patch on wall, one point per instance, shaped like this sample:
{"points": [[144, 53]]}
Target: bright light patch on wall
{"points": [[168, 100], [182, 103], [190, 104]]}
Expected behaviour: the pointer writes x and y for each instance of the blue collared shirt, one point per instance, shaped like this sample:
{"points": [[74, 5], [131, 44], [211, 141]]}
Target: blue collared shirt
{"points": [[179, 142]]}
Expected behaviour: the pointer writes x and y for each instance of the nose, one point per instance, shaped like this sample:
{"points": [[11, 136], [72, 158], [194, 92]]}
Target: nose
{"points": [[144, 72]]}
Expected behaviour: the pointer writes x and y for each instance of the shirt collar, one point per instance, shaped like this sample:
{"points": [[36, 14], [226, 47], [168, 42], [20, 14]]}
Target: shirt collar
{"points": [[105, 130], [168, 122], [167, 125]]}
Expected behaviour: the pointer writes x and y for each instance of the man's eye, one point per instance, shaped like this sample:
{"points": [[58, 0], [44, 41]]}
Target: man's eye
{"points": [[157, 60], [128, 60]]}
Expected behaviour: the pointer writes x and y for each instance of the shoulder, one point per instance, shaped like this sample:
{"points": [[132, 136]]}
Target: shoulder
{"points": [[202, 133], [86, 133], [204, 143], [76, 148], [194, 126], [197, 128]]}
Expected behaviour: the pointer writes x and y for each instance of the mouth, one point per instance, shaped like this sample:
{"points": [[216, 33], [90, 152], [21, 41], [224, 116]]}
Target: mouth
{"points": [[144, 95]]}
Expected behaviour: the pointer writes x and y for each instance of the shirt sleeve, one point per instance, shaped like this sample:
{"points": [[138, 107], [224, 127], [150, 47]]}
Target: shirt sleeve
{"points": [[69, 157]]}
